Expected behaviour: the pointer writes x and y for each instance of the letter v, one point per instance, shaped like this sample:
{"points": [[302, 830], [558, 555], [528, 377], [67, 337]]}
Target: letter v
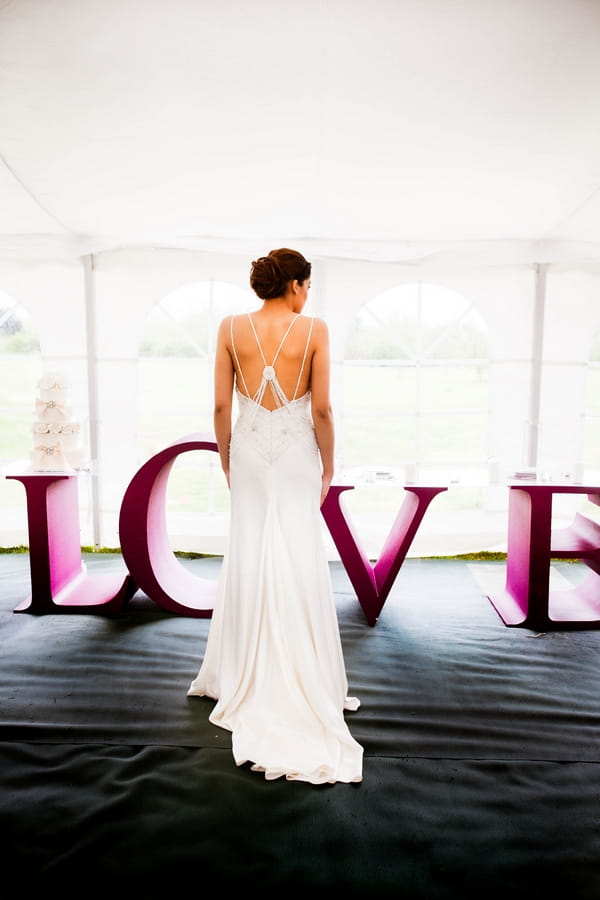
{"points": [[372, 583]]}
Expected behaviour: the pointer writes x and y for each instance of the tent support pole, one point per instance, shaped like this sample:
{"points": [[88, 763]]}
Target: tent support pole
{"points": [[92, 370], [535, 388]]}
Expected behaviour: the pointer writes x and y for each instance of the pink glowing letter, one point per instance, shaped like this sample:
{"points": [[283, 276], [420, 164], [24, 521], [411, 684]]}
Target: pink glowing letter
{"points": [[372, 583], [532, 543], [145, 542], [59, 582]]}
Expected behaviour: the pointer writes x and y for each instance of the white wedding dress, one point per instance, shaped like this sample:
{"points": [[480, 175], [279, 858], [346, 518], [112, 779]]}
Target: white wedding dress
{"points": [[273, 659]]}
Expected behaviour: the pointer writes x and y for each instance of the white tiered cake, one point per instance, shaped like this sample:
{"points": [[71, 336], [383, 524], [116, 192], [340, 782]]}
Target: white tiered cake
{"points": [[57, 436]]}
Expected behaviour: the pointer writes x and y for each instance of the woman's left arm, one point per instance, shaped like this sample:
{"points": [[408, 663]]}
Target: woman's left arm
{"points": [[224, 382]]}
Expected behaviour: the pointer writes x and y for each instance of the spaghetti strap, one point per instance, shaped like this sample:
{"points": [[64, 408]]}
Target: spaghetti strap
{"points": [[237, 362], [269, 375], [304, 358], [289, 328]]}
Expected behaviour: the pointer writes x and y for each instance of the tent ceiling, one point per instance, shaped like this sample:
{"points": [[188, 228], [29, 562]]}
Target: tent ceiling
{"points": [[380, 129]]}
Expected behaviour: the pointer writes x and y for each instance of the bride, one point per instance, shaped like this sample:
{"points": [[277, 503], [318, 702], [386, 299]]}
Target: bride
{"points": [[273, 659]]}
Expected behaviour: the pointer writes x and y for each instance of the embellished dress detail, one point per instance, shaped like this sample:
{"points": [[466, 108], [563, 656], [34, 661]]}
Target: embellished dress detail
{"points": [[273, 660]]}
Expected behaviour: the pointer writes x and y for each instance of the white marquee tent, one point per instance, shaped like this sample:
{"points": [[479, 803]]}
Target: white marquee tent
{"points": [[146, 147]]}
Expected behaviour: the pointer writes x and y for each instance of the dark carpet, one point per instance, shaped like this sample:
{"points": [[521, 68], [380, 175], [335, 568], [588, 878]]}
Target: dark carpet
{"points": [[481, 767]]}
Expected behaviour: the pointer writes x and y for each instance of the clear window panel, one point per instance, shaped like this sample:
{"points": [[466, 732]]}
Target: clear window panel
{"points": [[380, 441], [454, 440], [592, 396], [416, 387], [448, 388], [384, 390], [20, 371], [590, 456], [175, 396]]}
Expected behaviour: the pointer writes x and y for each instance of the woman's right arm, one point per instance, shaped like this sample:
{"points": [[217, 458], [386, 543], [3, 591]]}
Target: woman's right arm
{"points": [[322, 413], [224, 382]]}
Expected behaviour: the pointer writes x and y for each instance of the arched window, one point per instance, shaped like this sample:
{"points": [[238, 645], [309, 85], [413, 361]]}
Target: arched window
{"points": [[176, 395], [415, 393], [416, 384], [20, 370]]}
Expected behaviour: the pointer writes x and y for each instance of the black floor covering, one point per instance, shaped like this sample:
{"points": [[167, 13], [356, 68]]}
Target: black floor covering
{"points": [[481, 767]]}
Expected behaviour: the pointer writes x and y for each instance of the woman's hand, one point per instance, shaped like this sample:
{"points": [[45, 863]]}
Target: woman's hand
{"points": [[325, 485]]}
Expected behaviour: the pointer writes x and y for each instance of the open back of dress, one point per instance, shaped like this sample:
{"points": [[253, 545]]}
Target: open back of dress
{"points": [[273, 659]]}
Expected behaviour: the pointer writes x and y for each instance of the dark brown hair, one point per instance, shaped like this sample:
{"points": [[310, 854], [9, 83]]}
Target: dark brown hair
{"points": [[270, 274]]}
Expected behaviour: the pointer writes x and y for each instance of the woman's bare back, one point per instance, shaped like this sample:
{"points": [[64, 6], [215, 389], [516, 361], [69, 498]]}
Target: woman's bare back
{"points": [[286, 339]]}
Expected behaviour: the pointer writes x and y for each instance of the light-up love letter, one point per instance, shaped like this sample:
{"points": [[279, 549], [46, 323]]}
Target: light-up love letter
{"points": [[532, 544], [372, 583], [59, 582], [145, 541]]}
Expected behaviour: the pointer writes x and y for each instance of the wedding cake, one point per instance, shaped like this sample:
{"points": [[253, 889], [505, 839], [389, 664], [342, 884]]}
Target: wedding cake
{"points": [[57, 435]]}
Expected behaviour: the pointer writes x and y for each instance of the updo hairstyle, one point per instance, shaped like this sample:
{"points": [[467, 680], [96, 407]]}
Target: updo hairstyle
{"points": [[270, 275]]}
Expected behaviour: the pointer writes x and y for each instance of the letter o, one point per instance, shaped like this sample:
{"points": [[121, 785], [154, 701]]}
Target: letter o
{"points": [[144, 539]]}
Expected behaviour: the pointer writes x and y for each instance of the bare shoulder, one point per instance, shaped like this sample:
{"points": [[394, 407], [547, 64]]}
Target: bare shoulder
{"points": [[320, 331], [225, 325], [320, 335]]}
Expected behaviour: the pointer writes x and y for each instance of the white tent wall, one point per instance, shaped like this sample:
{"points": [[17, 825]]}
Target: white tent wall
{"points": [[127, 284], [505, 299], [572, 320]]}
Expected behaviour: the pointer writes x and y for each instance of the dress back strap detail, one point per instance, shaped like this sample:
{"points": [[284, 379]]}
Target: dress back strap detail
{"points": [[269, 376], [235, 356], [289, 328], [304, 358]]}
